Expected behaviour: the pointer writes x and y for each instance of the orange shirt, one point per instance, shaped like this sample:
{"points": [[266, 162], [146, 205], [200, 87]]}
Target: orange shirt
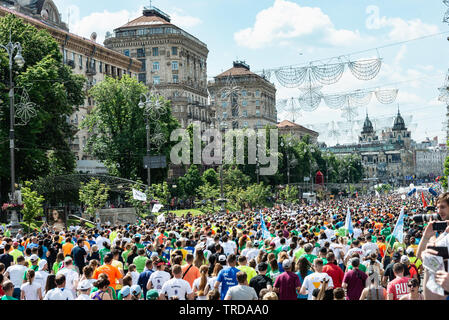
{"points": [[67, 248], [87, 244], [194, 273], [382, 246], [112, 272]]}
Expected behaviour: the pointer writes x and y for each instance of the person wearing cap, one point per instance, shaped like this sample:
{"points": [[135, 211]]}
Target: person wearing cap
{"points": [[287, 285], [152, 295], [42, 274], [261, 281], [84, 288], [414, 260], [15, 252], [34, 259], [70, 274], [412, 269], [389, 274], [176, 287], [228, 276], [125, 293], [135, 292], [159, 277]]}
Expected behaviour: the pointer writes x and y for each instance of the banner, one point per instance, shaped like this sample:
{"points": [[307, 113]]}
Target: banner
{"points": [[398, 231], [157, 207], [424, 203], [138, 195], [160, 218], [265, 232], [348, 222]]}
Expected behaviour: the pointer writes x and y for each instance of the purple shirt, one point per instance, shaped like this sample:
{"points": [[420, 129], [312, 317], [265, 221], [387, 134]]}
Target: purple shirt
{"points": [[356, 283], [287, 283]]}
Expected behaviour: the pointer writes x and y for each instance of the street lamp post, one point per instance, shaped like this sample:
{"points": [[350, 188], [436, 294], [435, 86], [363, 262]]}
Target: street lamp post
{"points": [[18, 59]]}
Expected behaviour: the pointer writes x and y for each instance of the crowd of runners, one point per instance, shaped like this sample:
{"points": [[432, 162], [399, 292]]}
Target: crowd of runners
{"points": [[307, 254]]}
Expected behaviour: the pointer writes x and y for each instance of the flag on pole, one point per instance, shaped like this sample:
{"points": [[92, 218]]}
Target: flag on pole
{"points": [[138, 195], [424, 203], [157, 207], [348, 222], [265, 232], [416, 195], [398, 232], [161, 218]]}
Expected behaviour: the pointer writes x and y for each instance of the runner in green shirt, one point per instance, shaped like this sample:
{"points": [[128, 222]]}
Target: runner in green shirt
{"points": [[140, 260]]}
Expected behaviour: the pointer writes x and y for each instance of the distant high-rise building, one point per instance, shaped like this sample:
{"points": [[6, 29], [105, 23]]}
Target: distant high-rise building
{"points": [[173, 61]]}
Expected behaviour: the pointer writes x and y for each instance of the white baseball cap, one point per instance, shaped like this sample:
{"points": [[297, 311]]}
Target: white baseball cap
{"points": [[34, 258], [42, 264], [84, 285]]}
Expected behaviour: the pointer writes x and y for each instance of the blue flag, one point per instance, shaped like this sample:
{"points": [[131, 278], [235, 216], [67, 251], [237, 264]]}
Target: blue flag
{"points": [[398, 232], [348, 222], [265, 232]]}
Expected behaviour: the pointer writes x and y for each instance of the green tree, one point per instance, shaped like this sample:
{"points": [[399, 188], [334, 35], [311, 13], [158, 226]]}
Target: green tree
{"points": [[191, 181], [289, 194], [55, 91], [32, 203], [94, 195], [161, 193], [257, 195], [211, 177], [118, 131], [208, 193]]}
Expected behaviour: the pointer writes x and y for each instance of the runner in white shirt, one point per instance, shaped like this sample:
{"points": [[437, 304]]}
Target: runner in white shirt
{"points": [[158, 278], [176, 287], [15, 272], [229, 247], [30, 290], [59, 293], [71, 275], [84, 288], [315, 280], [42, 275]]}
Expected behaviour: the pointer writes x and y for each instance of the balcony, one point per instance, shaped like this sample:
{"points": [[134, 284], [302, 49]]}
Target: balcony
{"points": [[91, 72]]}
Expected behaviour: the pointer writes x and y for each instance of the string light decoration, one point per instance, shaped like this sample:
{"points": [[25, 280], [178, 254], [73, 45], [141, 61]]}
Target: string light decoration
{"points": [[25, 110], [290, 107], [444, 95], [324, 74], [446, 15], [310, 100]]}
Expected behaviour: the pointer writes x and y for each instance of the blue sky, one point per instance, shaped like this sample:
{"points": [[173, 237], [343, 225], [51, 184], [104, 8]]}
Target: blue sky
{"points": [[274, 33]]}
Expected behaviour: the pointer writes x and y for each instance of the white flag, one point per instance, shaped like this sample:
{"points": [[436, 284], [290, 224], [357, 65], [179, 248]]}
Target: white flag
{"points": [[138, 195], [157, 207], [161, 218]]}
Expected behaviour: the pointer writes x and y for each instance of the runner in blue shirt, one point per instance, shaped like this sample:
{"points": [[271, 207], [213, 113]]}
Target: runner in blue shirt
{"points": [[228, 276]]}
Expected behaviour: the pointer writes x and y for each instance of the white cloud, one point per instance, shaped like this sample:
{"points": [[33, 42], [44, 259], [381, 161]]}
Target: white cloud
{"points": [[287, 20], [400, 29]]}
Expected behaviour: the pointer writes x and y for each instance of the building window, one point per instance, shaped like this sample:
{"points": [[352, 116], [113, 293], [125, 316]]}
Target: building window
{"points": [[174, 65], [257, 103], [244, 93], [257, 113], [101, 67], [175, 78], [126, 52], [245, 124], [155, 52], [155, 66], [140, 32], [225, 115], [156, 80], [65, 56], [143, 77], [144, 65], [244, 103], [174, 51], [224, 104], [257, 93], [244, 113], [140, 52]]}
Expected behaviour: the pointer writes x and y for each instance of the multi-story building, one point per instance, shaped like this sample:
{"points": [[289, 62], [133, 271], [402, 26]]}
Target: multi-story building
{"points": [[173, 61], [84, 56], [297, 131], [243, 99], [390, 158], [429, 159]]}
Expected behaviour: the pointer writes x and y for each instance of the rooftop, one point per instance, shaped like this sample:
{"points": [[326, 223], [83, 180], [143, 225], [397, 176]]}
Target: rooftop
{"points": [[288, 124]]}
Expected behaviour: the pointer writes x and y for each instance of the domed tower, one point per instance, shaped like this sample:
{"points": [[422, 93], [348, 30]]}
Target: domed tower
{"points": [[400, 132], [368, 133]]}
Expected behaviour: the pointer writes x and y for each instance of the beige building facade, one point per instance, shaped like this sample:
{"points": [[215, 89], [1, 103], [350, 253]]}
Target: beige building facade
{"points": [[243, 99], [173, 61]]}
